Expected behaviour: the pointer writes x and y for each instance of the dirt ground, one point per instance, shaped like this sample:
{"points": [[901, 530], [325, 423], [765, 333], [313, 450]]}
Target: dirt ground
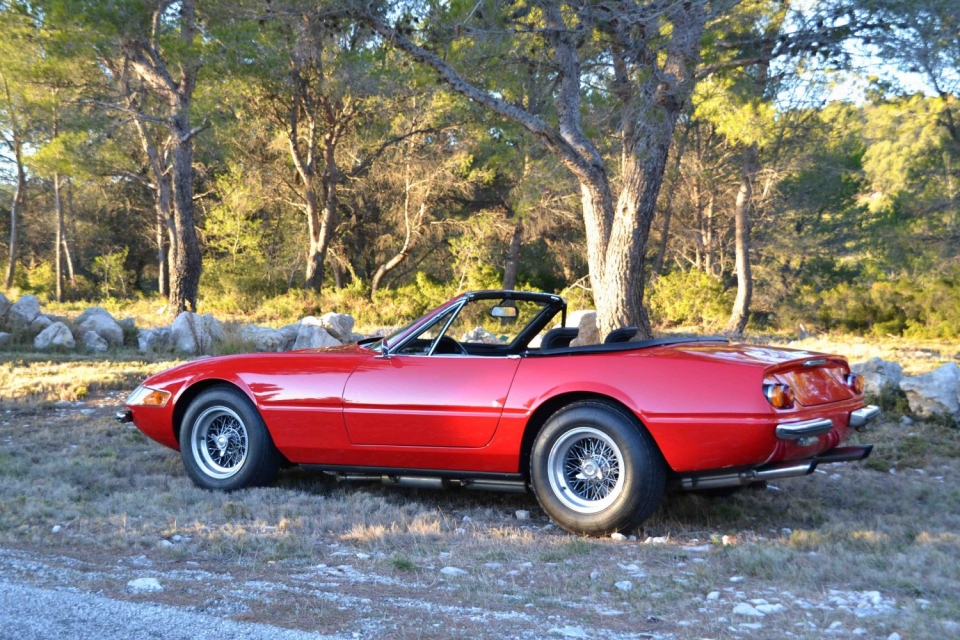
{"points": [[856, 550]]}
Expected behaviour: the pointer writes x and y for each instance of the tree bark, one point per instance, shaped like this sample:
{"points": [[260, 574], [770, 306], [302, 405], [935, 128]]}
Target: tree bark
{"points": [[741, 306], [512, 265], [18, 198], [58, 245]]}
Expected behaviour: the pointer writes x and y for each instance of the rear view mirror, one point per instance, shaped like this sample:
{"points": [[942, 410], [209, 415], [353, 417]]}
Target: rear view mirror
{"points": [[504, 312]]}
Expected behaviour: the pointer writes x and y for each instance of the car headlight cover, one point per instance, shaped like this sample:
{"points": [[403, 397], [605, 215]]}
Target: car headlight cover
{"points": [[147, 397]]}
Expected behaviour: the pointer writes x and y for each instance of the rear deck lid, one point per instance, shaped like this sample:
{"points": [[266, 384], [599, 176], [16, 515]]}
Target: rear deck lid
{"points": [[816, 381]]}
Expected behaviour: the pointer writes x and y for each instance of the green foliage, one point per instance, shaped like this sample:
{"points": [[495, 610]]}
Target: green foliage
{"points": [[115, 279], [689, 298]]}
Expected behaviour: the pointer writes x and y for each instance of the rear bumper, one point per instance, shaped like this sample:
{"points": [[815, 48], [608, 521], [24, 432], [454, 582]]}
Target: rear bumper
{"points": [[774, 471], [862, 417], [821, 426]]}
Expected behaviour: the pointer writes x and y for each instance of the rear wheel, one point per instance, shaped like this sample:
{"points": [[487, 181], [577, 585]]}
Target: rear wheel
{"points": [[595, 470], [224, 442]]}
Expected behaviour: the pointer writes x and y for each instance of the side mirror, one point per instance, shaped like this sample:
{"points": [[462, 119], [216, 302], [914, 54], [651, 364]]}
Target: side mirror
{"points": [[384, 349], [504, 312]]}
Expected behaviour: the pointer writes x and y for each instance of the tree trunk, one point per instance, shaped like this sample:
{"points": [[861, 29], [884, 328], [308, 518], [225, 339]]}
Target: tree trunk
{"points": [[512, 265], [320, 241], [741, 306], [316, 253], [67, 252], [185, 279], [163, 270], [18, 197], [58, 266]]}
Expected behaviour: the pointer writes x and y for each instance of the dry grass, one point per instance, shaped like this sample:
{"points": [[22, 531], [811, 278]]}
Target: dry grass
{"points": [[114, 494]]}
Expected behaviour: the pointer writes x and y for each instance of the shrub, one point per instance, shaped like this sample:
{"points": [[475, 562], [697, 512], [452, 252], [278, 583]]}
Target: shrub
{"points": [[689, 298]]}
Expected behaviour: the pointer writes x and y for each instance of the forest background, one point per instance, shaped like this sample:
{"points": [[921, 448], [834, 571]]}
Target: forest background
{"points": [[278, 158]]}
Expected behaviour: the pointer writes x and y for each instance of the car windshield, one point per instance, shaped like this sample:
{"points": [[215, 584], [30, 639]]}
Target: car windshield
{"points": [[377, 345]]}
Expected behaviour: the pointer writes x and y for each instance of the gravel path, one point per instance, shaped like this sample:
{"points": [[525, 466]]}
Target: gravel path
{"points": [[29, 613]]}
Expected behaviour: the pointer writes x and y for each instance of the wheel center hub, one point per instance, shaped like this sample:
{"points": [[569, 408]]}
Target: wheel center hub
{"points": [[222, 441], [590, 469]]}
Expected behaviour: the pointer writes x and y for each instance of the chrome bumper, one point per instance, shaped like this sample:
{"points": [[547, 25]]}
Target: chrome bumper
{"points": [[804, 429], [124, 416], [861, 417]]}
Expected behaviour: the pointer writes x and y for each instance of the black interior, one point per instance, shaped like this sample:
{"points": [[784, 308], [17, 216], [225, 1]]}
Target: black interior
{"points": [[558, 338], [624, 334]]}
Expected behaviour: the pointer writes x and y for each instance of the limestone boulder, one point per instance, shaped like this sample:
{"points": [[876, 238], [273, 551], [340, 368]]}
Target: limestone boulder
{"points": [[195, 334], [57, 335], [93, 343], [313, 336], [877, 374], [290, 333], [154, 340], [4, 338], [100, 321], [935, 392], [587, 324], [263, 339], [339, 325], [39, 323], [480, 335], [4, 305], [23, 312]]}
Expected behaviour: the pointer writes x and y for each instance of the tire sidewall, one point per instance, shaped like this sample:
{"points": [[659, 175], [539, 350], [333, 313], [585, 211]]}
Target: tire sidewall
{"points": [[259, 445], [642, 466]]}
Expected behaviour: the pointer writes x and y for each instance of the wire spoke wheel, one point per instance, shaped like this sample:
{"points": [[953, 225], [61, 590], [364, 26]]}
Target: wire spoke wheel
{"points": [[220, 442], [585, 468]]}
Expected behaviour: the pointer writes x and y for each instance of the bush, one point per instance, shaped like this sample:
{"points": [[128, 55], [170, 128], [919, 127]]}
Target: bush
{"points": [[689, 298]]}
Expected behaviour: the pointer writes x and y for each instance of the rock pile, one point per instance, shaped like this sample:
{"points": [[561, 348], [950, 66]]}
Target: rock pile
{"points": [[934, 393]]}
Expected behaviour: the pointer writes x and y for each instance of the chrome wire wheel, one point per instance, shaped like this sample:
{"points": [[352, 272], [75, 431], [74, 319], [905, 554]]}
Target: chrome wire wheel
{"points": [[220, 442], [586, 470]]}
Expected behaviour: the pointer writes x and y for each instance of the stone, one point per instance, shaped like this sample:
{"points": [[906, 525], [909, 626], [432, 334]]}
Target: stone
{"points": [[94, 343], [480, 335], [129, 328], [588, 334], [745, 609], [453, 571], [713, 595], [290, 333], [263, 338], [22, 312], [100, 321], [4, 305], [624, 585], [619, 537], [145, 584], [522, 514], [214, 328], [56, 335], [339, 325], [595, 575], [188, 334], [153, 339], [568, 632], [877, 374], [771, 608], [55, 529], [4, 338], [40, 323], [935, 392], [313, 336]]}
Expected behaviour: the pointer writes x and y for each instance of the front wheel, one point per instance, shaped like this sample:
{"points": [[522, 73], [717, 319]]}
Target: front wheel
{"points": [[224, 442], [595, 470]]}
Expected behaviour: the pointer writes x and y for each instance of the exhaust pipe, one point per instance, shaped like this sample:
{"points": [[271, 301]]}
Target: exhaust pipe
{"points": [[774, 471]]}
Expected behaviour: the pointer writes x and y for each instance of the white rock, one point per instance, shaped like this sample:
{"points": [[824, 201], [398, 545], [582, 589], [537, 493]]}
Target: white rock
{"points": [[4, 338], [40, 323], [339, 325], [164, 544], [94, 343], [568, 632], [153, 339], [655, 540], [493, 565], [263, 338], [713, 595], [624, 585], [190, 333], [587, 323], [754, 626], [522, 514], [4, 305], [893, 636], [453, 571], [770, 608], [877, 374], [55, 529], [736, 579], [56, 335], [934, 392], [744, 609], [290, 332], [145, 584], [481, 335], [617, 536], [214, 328], [595, 575], [102, 323], [313, 336], [22, 312]]}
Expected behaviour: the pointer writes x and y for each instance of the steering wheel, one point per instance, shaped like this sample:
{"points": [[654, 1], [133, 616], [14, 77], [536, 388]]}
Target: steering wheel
{"points": [[449, 345]]}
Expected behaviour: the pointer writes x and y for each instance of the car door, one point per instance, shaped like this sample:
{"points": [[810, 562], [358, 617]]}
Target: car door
{"points": [[427, 400]]}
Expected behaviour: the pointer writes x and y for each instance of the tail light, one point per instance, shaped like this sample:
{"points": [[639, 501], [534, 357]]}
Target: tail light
{"points": [[855, 382], [779, 395]]}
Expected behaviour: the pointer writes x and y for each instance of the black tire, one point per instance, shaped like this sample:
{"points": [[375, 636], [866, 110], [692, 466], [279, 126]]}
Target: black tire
{"points": [[224, 442], [605, 439]]}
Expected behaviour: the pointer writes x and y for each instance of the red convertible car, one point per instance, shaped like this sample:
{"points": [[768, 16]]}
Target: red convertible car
{"points": [[482, 394]]}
